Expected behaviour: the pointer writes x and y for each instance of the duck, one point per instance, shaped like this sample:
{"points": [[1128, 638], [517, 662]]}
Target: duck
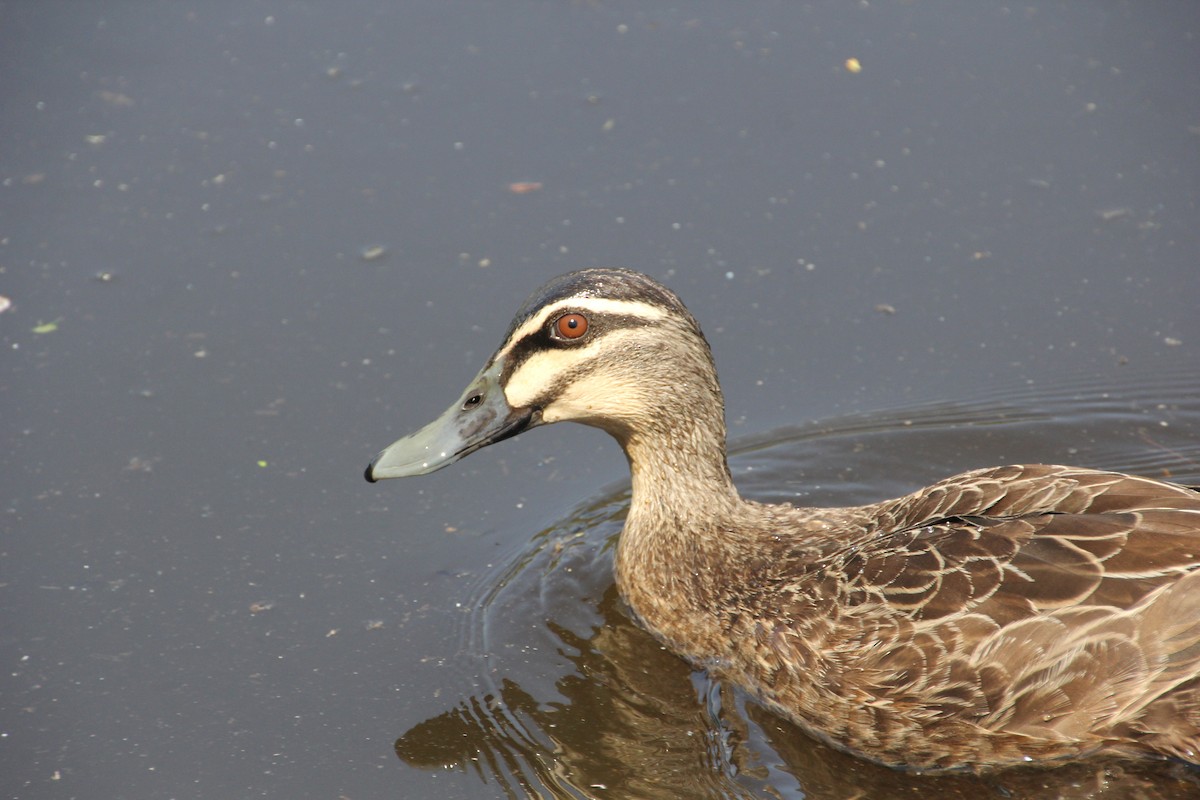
{"points": [[1021, 615]]}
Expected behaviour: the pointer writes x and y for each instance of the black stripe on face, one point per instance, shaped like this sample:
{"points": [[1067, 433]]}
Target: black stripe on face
{"points": [[609, 284], [544, 339], [618, 285]]}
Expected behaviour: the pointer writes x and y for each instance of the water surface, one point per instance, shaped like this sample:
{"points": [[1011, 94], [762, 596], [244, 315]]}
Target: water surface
{"points": [[247, 244]]}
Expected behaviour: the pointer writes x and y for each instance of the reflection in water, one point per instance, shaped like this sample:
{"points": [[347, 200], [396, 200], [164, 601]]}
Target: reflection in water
{"points": [[580, 702], [628, 725]]}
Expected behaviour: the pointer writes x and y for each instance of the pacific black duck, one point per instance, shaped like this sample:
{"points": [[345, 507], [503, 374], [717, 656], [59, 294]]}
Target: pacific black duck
{"points": [[1009, 615]]}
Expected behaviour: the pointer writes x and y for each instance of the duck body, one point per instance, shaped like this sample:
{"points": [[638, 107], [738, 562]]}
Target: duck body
{"points": [[976, 623], [1005, 616]]}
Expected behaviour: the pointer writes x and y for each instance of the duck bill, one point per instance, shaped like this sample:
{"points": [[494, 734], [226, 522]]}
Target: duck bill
{"points": [[482, 416]]}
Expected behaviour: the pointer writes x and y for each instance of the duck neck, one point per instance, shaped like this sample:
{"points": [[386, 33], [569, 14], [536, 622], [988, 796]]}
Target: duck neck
{"points": [[677, 534], [679, 473]]}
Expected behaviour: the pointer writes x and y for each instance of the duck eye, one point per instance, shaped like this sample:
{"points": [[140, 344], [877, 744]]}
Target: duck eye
{"points": [[571, 326], [473, 401]]}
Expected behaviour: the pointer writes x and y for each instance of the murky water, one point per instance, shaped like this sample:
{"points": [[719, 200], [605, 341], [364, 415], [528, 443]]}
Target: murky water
{"points": [[245, 244]]}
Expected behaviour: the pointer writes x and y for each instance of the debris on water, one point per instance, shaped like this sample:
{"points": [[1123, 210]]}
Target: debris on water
{"points": [[106, 276], [885, 308], [853, 66], [140, 464], [47, 327], [115, 99], [373, 252], [5, 304], [1171, 341], [261, 606], [524, 187], [1109, 214]]}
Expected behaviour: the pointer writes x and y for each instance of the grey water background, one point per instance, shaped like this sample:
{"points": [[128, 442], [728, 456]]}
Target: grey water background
{"points": [[243, 246]]}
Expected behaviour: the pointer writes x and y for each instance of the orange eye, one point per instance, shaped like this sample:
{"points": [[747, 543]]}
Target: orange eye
{"points": [[571, 326]]}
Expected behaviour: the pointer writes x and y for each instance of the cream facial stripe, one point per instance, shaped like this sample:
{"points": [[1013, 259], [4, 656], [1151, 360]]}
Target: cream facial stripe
{"points": [[544, 369], [594, 305]]}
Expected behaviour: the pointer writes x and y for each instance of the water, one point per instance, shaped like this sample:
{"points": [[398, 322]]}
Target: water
{"points": [[245, 245]]}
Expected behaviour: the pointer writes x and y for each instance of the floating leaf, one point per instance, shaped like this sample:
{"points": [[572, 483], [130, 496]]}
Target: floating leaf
{"points": [[47, 327]]}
